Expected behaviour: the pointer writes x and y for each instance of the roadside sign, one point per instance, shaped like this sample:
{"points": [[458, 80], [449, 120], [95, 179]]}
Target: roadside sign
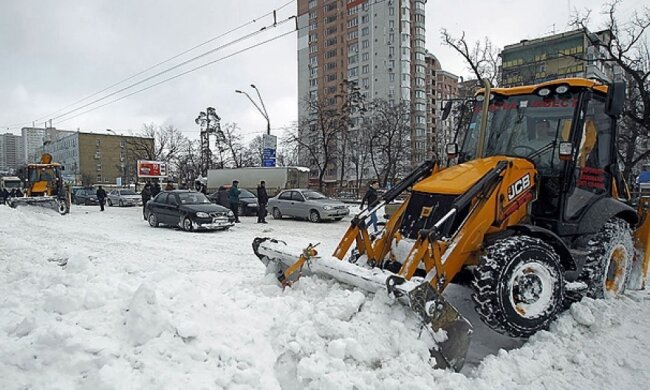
{"points": [[152, 168], [269, 145]]}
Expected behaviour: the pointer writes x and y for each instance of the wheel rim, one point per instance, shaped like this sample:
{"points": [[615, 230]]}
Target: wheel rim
{"points": [[121, 204], [152, 220], [531, 289], [615, 273], [277, 214], [187, 224], [314, 216]]}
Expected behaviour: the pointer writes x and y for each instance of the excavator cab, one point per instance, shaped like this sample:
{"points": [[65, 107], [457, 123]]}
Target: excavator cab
{"points": [[535, 211]]}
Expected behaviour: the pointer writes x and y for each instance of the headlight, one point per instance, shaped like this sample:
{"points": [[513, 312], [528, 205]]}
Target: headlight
{"points": [[201, 214], [230, 213], [327, 207]]}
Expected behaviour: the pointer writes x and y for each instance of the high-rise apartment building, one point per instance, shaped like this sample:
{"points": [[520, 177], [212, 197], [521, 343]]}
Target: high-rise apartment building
{"points": [[11, 151], [378, 46], [35, 137], [567, 54]]}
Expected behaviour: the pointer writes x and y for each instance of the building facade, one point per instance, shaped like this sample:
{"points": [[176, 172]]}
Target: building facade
{"points": [[91, 158], [11, 152], [34, 138], [568, 54], [375, 46]]}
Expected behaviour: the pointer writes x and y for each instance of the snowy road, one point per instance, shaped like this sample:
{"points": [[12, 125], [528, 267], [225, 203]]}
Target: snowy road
{"points": [[101, 300]]}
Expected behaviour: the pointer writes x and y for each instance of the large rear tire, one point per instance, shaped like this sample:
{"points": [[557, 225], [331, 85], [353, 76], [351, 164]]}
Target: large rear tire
{"points": [[518, 286], [609, 260]]}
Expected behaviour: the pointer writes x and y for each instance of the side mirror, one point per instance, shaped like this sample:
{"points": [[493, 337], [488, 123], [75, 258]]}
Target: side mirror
{"points": [[566, 151], [452, 150], [446, 110], [615, 99]]}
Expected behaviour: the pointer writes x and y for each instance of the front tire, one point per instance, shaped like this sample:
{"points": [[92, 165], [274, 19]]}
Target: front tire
{"points": [[276, 213], [187, 225], [609, 260], [314, 216], [518, 286], [121, 204], [153, 220]]}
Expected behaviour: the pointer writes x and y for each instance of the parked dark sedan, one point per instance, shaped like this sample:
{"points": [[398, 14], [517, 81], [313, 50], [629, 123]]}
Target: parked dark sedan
{"points": [[247, 200], [85, 196], [188, 210]]}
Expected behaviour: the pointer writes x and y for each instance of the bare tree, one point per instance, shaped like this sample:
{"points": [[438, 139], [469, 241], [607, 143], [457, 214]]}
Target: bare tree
{"points": [[389, 132], [168, 142], [318, 134], [628, 48], [482, 58]]}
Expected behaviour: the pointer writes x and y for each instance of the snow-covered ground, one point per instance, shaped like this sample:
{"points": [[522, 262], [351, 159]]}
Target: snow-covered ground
{"points": [[103, 301]]}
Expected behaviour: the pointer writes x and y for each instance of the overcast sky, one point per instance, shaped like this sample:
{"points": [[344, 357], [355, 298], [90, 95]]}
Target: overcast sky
{"points": [[54, 53]]}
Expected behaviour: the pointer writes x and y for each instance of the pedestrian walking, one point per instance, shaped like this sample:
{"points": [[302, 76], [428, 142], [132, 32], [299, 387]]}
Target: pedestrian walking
{"points": [[371, 198], [155, 189], [233, 199], [101, 197], [146, 195], [262, 201], [169, 186], [4, 195]]}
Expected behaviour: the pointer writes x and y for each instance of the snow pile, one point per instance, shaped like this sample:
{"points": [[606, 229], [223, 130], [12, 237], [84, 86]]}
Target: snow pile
{"points": [[122, 305]]}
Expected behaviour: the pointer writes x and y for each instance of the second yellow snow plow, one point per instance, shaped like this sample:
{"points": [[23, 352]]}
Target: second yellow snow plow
{"points": [[535, 211], [45, 187]]}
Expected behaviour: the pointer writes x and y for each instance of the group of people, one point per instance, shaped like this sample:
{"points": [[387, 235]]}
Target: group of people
{"points": [[262, 201], [14, 193]]}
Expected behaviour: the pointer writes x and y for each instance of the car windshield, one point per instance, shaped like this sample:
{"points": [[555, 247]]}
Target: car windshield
{"points": [[313, 195], [528, 126], [192, 198], [127, 192], [246, 194]]}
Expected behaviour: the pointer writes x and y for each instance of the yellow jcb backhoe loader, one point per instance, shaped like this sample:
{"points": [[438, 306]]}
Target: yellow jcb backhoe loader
{"points": [[45, 187], [535, 211]]}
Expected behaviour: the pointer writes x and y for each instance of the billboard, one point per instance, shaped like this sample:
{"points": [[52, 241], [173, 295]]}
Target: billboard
{"points": [[152, 168]]}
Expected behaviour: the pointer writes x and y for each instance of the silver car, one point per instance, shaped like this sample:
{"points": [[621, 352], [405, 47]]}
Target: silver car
{"points": [[123, 198], [308, 204]]}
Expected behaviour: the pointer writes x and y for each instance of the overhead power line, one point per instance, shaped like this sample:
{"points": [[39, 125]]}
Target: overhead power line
{"points": [[49, 116], [180, 74]]}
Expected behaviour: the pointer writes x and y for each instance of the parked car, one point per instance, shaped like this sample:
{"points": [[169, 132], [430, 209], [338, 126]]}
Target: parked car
{"points": [[85, 196], [247, 200], [123, 198], [189, 210], [308, 204]]}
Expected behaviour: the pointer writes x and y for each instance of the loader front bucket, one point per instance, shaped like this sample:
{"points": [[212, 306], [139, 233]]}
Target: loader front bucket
{"points": [[50, 202], [450, 331], [448, 334]]}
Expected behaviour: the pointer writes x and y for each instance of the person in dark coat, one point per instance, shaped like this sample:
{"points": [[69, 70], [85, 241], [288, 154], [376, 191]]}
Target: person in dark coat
{"points": [[262, 201], [101, 197], [155, 189], [146, 195], [370, 198], [233, 199]]}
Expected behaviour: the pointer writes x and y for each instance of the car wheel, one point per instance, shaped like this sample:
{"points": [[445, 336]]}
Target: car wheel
{"points": [[276, 213], [187, 224], [153, 220], [314, 216], [121, 203]]}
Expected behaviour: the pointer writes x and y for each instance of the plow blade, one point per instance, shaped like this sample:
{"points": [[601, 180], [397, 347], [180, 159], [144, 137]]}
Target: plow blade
{"points": [[448, 331], [50, 202]]}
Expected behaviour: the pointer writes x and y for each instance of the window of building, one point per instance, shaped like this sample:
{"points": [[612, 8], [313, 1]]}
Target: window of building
{"points": [[330, 65], [330, 42], [354, 34], [365, 83], [365, 69], [313, 49], [365, 31], [330, 6], [391, 77], [330, 19], [330, 53], [391, 11], [330, 31], [365, 56], [353, 59], [353, 22], [331, 77], [365, 18], [365, 44]]}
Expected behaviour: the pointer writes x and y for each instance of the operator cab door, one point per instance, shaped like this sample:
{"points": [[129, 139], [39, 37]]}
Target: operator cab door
{"points": [[594, 160]]}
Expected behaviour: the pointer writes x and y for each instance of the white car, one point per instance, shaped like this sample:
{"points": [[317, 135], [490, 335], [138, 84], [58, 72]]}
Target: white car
{"points": [[308, 204], [124, 198]]}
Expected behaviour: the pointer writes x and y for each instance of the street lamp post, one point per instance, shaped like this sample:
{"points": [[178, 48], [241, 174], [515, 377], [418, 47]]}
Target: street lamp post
{"points": [[124, 166], [261, 110]]}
